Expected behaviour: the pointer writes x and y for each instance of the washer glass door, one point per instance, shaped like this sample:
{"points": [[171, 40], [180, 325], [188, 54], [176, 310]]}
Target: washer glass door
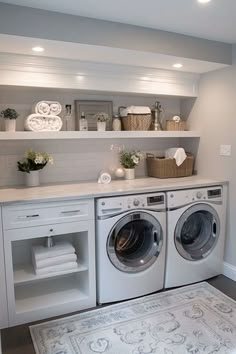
{"points": [[197, 231], [135, 242]]}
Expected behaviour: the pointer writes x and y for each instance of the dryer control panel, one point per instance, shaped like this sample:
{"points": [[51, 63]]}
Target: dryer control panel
{"points": [[188, 196], [113, 205]]}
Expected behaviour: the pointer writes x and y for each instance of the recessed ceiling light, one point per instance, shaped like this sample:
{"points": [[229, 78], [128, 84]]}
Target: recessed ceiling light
{"points": [[204, 1], [177, 65], [38, 49]]}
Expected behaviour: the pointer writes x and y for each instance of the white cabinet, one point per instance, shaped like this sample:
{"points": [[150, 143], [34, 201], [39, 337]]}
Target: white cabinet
{"points": [[33, 297], [3, 299]]}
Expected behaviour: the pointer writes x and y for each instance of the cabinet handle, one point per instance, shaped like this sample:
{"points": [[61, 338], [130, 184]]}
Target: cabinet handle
{"points": [[29, 216], [70, 211]]}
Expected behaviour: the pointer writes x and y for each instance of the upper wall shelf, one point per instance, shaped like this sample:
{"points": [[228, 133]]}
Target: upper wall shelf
{"points": [[63, 135]]}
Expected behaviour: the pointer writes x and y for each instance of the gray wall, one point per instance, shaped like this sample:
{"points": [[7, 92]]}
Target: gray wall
{"points": [[214, 115]]}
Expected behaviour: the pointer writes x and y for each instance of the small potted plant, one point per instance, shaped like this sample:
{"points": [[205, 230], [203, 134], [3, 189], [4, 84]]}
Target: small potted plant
{"points": [[102, 118], [129, 160], [10, 116], [31, 164]]}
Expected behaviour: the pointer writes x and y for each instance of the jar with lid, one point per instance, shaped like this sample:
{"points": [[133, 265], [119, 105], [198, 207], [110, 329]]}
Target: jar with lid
{"points": [[116, 123]]}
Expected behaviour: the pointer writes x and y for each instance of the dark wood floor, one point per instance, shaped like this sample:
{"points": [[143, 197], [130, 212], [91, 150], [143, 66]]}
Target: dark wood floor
{"points": [[17, 340]]}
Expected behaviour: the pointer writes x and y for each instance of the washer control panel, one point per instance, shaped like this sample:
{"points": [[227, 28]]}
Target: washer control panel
{"points": [[116, 205], [184, 197]]}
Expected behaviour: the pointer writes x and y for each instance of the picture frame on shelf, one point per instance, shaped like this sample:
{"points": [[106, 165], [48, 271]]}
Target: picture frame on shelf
{"points": [[90, 108]]}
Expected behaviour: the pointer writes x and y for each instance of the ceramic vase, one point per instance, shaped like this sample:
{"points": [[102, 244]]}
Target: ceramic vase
{"points": [[10, 125], [101, 126], [129, 173], [32, 179]]}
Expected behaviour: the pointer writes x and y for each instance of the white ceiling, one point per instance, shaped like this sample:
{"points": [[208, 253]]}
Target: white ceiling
{"points": [[215, 20]]}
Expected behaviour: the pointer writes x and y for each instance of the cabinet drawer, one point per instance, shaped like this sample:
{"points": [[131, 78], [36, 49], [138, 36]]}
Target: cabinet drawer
{"points": [[26, 215]]}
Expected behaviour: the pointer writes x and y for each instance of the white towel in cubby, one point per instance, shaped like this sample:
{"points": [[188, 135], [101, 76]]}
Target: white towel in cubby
{"points": [[57, 268], [54, 261], [59, 249]]}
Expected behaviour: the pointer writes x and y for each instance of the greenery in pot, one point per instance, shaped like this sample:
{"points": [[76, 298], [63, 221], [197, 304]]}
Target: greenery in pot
{"points": [[102, 117], [9, 113], [34, 161], [130, 159]]}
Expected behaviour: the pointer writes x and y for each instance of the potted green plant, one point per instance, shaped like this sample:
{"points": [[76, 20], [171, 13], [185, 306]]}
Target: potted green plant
{"points": [[129, 160], [102, 118], [9, 116], [31, 164]]}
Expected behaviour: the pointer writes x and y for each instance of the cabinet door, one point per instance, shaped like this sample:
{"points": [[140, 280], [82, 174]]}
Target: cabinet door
{"points": [[3, 298]]}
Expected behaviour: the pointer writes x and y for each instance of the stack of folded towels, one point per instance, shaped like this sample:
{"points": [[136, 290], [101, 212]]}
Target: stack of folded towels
{"points": [[60, 257]]}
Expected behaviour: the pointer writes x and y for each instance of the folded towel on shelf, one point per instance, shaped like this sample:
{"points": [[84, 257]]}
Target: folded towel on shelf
{"points": [[60, 248], [37, 123], [176, 153], [57, 268], [54, 261], [104, 178], [135, 110], [47, 107]]}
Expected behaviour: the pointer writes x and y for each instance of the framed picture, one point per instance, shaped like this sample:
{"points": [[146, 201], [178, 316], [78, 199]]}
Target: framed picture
{"points": [[90, 108]]}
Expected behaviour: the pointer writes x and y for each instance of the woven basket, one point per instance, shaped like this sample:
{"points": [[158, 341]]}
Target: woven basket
{"points": [[137, 122], [167, 168], [172, 125]]}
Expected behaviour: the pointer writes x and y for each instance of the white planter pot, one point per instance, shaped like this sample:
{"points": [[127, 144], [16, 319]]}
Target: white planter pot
{"points": [[10, 125], [32, 179], [101, 126], [129, 173]]}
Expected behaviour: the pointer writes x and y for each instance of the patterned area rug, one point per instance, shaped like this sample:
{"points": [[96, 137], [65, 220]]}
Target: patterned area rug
{"points": [[194, 319]]}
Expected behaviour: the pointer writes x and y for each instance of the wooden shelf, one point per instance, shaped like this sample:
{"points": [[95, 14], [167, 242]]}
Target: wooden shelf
{"points": [[26, 274], [63, 135]]}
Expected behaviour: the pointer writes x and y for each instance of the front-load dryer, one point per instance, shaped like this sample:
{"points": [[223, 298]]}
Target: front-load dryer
{"points": [[195, 235], [130, 246]]}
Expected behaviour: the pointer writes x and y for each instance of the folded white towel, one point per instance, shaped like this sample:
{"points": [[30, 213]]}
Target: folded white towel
{"points": [[104, 178], [59, 249], [176, 153], [57, 268], [36, 122], [53, 261], [47, 107], [135, 110]]}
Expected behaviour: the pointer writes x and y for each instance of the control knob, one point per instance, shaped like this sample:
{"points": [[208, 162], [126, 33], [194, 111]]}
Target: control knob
{"points": [[199, 195], [136, 202]]}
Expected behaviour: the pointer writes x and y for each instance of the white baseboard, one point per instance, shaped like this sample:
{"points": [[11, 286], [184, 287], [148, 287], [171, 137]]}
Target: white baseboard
{"points": [[229, 271]]}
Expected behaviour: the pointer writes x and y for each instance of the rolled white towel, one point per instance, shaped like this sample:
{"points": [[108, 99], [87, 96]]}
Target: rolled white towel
{"points": [[55, 108], [36, 123], [59, 249], [104, 178], [135, 110], [42, 107], [53, 261], [57, 268], [176, 153]]}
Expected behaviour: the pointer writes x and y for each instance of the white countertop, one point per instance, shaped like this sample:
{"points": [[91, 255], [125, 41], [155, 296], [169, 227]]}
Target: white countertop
{"points": [[67, 191]]}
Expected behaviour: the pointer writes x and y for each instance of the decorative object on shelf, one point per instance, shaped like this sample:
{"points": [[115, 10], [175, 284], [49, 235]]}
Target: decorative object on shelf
{"points": [[104, 178], [119, 172], [116, 123], [176, 124], [157, 116], [10, 116], [68, 118], [45, 117], [49, 242], [83, 123], [102, 119], [90, 108], [129, 160], [31, 164], [135, 117]]}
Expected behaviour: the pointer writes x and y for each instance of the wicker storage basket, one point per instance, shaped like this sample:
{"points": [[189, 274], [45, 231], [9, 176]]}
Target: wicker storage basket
{"points": [[167, 168], [137, 122], [173, 125]]}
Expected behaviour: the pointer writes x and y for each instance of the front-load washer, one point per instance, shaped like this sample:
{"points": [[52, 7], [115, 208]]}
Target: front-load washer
{"points": [[130, 246], [195, 235]]}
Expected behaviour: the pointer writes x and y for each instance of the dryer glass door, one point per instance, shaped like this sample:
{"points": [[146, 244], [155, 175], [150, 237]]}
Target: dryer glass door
{"points": [[197, 231], [135, 242]]}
